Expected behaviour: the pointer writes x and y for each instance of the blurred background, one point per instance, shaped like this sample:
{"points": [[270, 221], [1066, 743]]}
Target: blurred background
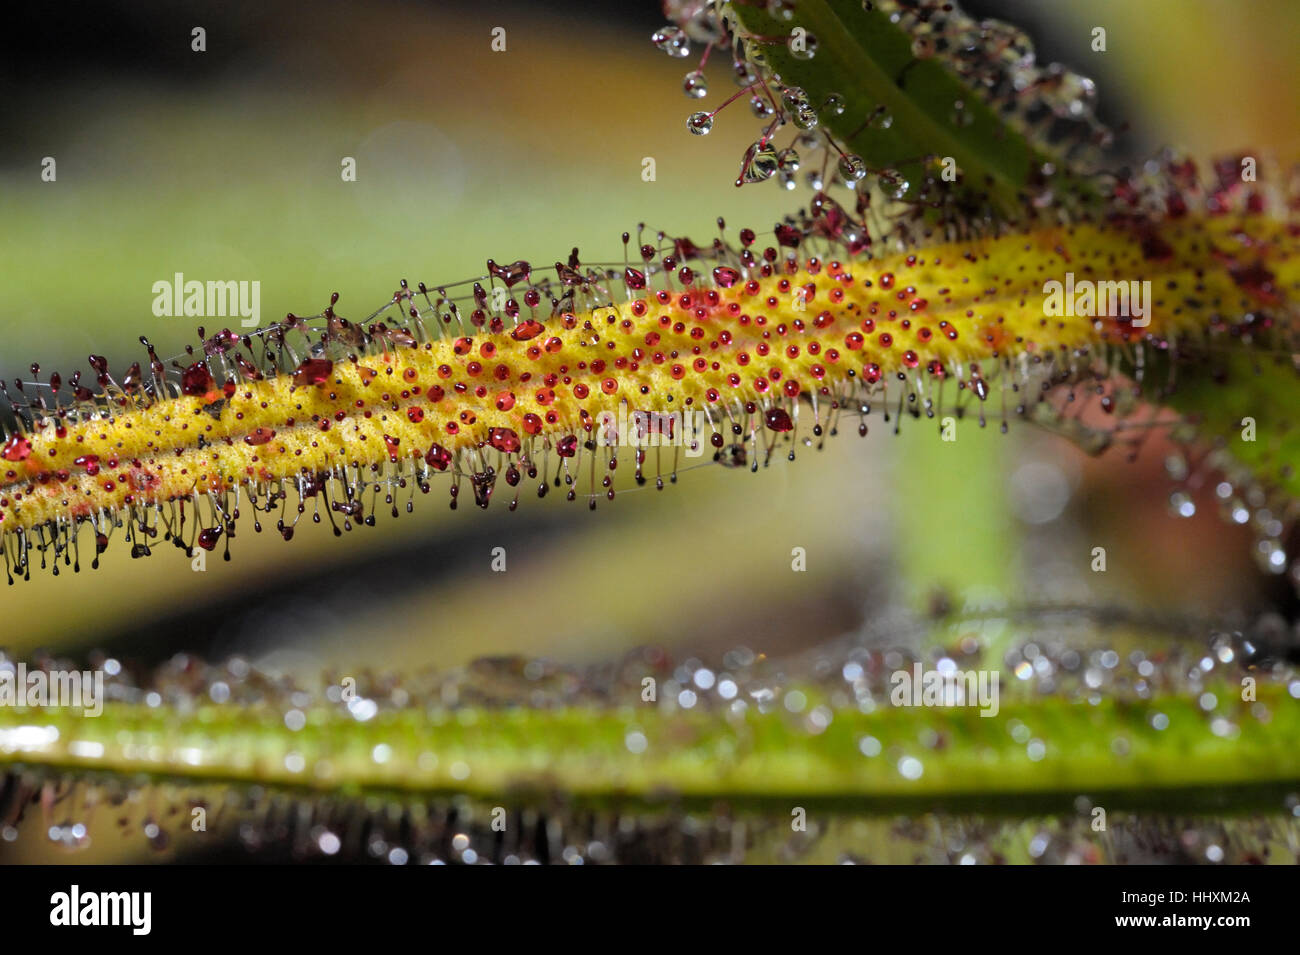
{"points": [[226, 164]]}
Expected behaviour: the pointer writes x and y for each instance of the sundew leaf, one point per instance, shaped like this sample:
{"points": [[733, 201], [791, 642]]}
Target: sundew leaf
{"points": [[590, 753], [342, 412], [904, 87], [842, 733]]}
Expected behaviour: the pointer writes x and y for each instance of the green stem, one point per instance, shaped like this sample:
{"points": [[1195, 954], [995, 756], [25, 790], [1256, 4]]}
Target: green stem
{"points": [[1047, 750]]}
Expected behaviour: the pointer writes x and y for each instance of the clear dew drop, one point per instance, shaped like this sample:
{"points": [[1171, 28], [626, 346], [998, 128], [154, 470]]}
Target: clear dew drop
{"points": [[673, 41], [814, 180], [780, 9], [909, 767], [792, 97], [1181, 504], [1236, 511], [833, 105], [1271, 556], [760, 163], [802, 46], [788, 159], [1073, 97], [804, 117], [880, 119], [700, 123], [695, 85], [852, 169], [761, 107], [893, 184], [743, 73], [1267, 523], [961, 116]]}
